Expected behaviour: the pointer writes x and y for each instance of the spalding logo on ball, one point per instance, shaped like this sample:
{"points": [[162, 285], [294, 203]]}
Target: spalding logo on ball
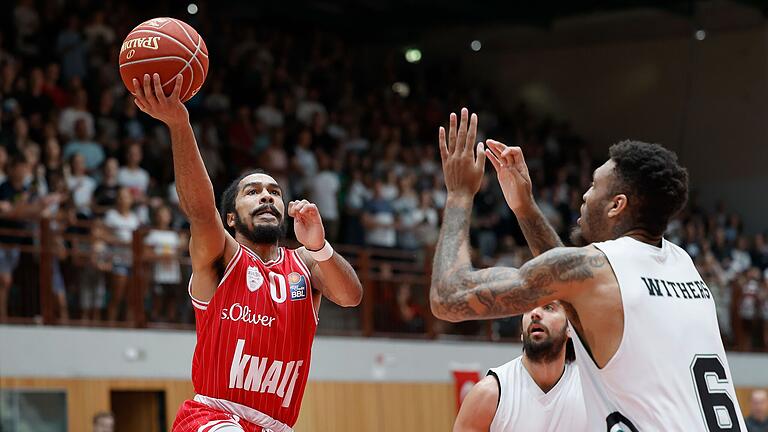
{"points": [[168, 47]]}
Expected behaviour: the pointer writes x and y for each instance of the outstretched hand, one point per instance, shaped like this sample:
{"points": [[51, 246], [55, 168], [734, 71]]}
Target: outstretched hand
{"points": [[151, 99], [512, 172], [307, 225], [462, 168]]}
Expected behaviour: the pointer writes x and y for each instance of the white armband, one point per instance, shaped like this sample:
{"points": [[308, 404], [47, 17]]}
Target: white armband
{"points": [[324, 254]]}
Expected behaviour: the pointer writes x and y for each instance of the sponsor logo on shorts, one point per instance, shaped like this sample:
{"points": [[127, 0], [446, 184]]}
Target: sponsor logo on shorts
{"points": [[298, 286]]}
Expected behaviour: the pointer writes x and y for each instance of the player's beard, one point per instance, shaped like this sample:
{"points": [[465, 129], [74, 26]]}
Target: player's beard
{"points": [[262, 233], [577, 237], [547, 350]]}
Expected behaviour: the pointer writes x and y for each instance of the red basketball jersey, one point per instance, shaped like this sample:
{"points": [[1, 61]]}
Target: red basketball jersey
{"points": [[254, 337]]}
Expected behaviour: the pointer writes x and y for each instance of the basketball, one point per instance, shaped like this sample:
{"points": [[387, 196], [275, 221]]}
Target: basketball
{"points": [[168, 47]]}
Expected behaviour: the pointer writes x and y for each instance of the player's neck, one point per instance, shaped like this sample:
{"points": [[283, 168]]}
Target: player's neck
{"points": [[644, 236], [546, 374], [265, 251]]}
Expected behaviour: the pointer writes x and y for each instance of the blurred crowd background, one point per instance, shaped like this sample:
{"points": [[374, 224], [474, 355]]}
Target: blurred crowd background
{"points": [[350, 127]]}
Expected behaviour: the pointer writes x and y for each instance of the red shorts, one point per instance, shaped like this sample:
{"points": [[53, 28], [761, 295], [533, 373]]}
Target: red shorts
{"points": [[196, 417]]}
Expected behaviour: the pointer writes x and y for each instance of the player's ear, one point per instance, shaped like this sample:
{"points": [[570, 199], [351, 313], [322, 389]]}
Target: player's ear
{"points": [[231, 220], [618, 204]]}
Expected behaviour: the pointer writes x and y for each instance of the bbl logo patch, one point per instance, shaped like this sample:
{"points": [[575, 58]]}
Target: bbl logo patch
{"points": [[254, 279], [298, 286]]}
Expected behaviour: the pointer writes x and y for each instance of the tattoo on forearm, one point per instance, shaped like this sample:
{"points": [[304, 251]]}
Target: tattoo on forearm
{"points": [[539, 234], [458, 292]]}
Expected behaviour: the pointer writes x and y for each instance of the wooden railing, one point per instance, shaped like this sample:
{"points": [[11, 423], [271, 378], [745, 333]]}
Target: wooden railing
{"points": [[379, 271]]}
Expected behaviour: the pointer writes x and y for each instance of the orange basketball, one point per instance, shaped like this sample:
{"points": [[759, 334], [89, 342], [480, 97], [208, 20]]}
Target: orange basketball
{"points": [[168, 47]]}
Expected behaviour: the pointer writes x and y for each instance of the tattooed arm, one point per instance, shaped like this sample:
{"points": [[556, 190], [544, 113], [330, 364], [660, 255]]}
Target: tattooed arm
{"points": [[538, 232], [460, 293], [515, 182]]}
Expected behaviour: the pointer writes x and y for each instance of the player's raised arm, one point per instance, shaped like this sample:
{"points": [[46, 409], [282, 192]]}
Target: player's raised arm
{"points": [[479, 407], [458, 292], [196, 196], [515, 182], [332, 275]]}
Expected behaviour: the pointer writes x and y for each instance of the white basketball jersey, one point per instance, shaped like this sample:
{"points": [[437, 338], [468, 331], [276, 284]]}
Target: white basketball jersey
{"points": [[523, 406], [670, 372]]}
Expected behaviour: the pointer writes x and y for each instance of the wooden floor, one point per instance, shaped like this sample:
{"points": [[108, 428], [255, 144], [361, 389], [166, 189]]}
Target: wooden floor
{"points": [[327, 406]]}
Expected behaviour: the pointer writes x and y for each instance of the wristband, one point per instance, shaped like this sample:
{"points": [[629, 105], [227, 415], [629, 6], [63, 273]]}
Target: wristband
{"points": [[324, 254]]}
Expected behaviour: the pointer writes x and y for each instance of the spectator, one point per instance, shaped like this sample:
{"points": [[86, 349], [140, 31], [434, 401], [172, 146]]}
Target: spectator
{"points": [[715, 279], [486, 210], [324, 192], [27, 22], [760, 252], [165, 244], [747, 297], [99, 36], [131, 126], [104, 422], [758, 412], [306, 109], [106, 192], [94, 264], [82, 144], [21, 131], [107, 126], [3, 163], [37, 104], [268, 113], [357, 195], [51, 86], [242, 135], [379, 219], [71, 115], [275, 161], [410, 313], [72, 50], [52, 159], [132, 175], [123, 221], [17, 202], [305, 162], [741, 260], [406, 205], [80, 185]]}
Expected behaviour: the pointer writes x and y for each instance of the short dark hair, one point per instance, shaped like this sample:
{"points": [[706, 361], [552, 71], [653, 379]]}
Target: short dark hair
{"points": [[227, 204], [570, 351], [657, 186]]}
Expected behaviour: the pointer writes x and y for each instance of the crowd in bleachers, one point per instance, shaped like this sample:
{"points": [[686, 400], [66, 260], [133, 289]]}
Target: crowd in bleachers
{"points": [[318, 112]]}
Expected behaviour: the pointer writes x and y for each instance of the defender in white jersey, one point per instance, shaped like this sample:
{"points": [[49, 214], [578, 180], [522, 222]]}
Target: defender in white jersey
{"points": [[538, 391], [645, 327]]}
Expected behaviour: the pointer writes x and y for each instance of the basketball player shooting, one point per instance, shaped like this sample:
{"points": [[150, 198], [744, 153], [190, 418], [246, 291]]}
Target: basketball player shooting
{"points": [[538, 391], [646, 336], [255, 302]]}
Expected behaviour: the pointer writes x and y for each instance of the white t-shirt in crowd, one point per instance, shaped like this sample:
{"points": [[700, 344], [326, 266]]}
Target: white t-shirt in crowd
{"points": [[137, 179], [324, 190], [70, 116], [167, 243], [270, 116], [82, 188], [123, 226]]}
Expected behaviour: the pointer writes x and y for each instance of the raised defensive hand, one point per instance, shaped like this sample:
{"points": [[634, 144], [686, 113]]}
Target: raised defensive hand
{"points": [[462, 168], [308, 225], [512, 172], [151, 99]]}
